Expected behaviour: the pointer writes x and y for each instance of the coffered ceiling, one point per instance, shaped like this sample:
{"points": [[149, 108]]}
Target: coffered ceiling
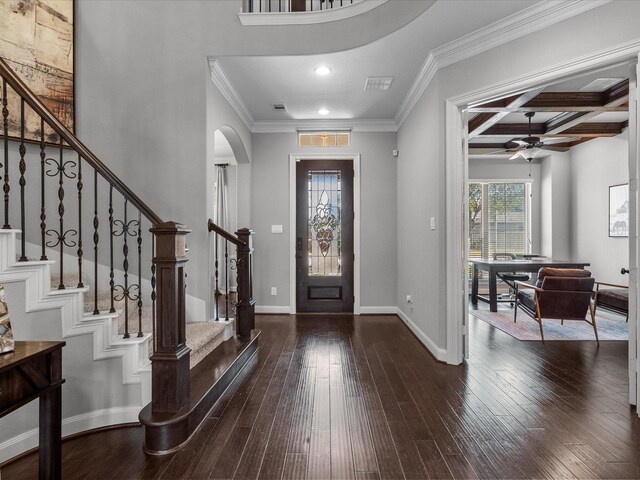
{"points": [[564, 114]]}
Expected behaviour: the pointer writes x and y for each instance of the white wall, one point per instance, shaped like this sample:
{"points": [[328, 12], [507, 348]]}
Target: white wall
{"points": [[421, 140], [270, 206], [556, 220], [598, 164], [504, 169]]}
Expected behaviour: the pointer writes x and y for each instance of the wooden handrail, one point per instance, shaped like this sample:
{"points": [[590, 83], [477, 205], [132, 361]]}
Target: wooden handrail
{"points": [[34, 102], [224, 234]]}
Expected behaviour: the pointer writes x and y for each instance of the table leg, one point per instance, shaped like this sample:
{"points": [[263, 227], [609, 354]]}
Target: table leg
{"points": [[50, 435], [474, 285], [493, 291]]}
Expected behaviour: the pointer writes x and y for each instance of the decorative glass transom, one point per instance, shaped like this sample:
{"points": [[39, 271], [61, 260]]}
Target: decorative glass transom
{"points": [[325, 229]]}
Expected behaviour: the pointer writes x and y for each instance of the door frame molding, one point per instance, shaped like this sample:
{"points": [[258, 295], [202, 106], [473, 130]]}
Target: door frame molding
{"points": [[457, 165], [293, 159]]}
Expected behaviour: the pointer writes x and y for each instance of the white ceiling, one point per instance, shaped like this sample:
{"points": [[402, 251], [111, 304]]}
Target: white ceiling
{"points": [[262, 81]]}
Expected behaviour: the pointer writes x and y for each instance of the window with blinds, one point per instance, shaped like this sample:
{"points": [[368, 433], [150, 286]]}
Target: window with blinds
{"points": [[499, 218]]}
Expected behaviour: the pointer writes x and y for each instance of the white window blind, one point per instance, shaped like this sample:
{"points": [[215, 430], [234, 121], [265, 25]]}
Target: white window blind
{"points": [[499, 218]]}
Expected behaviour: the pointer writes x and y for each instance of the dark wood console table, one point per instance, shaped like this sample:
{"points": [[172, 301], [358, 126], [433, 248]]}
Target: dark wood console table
{"points": [[495, 266], [34, 370]]}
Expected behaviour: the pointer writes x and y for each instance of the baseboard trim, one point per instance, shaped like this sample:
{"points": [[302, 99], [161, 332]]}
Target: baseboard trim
{"points": [[440, 354], [379, 310], [279, 309], [70, 426]]}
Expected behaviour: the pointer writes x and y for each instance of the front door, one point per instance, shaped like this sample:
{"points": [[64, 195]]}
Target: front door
{"points": [[324, 236]]}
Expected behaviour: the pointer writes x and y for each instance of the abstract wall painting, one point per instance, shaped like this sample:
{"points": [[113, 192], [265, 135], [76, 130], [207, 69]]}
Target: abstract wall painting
{"points": [[36, 41]]}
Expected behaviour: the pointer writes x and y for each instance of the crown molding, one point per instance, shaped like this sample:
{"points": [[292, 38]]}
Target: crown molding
{"points": [[228, 91], [355, 125], [527, 21], [420, 84], [309, 18]]}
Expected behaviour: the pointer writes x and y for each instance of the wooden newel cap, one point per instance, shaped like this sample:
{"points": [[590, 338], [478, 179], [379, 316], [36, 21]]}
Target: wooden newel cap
{"points": [[170, 240], [169, 228]]}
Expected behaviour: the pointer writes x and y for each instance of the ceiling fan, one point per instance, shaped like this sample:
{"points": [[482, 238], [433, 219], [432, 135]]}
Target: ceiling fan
{"points": [[529, 147]]}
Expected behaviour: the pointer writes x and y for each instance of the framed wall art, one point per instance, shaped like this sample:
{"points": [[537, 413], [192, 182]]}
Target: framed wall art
{"points": [[619, 210], [36, 41]]}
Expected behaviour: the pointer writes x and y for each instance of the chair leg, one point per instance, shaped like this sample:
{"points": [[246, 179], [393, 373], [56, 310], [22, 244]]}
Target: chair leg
{"points": [[593, 323], [515, 310], [562, 321], [539, 318]]}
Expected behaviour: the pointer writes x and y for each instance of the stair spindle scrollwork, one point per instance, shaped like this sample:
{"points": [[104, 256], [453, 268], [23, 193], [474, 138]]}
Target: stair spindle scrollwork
{"points": [[62, 169], [5, 121], [43, 211], [139, 275], [126, 228], [22, 166], [80, 253], [226, 281], [112, 282], [96, 239]]}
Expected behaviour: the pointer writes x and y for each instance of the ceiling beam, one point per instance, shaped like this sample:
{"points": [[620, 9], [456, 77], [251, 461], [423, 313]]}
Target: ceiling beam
{"points": [[614, 96], [612, 100], [594, 129], [483, 121]]}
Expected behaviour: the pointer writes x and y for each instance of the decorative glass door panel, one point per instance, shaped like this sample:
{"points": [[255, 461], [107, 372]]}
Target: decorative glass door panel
{"points": [[324, 232], [324, 247]]}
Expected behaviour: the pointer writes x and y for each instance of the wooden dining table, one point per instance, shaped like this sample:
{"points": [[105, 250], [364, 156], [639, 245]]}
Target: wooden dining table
{"points": [[492, 267]]}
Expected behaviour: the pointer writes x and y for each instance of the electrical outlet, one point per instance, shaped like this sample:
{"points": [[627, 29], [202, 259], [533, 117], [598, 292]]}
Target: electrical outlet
{"points": [[274, 291], [432, 223], [410, 299]]}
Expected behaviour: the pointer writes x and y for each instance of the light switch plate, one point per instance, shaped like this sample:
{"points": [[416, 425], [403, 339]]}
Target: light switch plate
{"points": [[432, 223], [276, 228]]}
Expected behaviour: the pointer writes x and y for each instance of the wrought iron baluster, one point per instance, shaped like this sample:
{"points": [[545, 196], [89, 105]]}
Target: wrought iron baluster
{"points": [[111, 281], [96, 238], [61, 168], [139, 275], [125, 266], [22, 166], [5, 187], [80, 252], [43, 212], [126, 228], [226, 280], [216, 293]]}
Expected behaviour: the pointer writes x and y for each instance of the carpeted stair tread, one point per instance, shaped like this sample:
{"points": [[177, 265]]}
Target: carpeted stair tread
{"points": [[203, 338]]}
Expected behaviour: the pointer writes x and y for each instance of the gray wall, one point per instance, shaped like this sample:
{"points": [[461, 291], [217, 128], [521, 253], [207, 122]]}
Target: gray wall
{"points": [[504, 169], [597, 164], [270, 206], [146, 106]]}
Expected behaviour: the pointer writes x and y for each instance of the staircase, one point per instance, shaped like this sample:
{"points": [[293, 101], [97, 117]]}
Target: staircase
{"points": [[72, 311], [121, 305]]}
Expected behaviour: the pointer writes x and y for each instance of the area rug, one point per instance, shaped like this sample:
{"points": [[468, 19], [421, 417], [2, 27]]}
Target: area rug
{"points": [[611, 326]]}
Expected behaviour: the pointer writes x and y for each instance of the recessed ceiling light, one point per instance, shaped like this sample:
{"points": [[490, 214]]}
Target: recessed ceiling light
{"points": [[323, 111], [322, 70]]}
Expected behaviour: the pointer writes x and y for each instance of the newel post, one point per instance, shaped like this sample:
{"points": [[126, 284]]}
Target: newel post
{"points": [[170, 377], [245, 308]]}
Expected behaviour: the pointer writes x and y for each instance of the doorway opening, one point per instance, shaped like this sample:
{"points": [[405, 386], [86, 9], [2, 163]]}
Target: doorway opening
{"points": [[586, 214]]}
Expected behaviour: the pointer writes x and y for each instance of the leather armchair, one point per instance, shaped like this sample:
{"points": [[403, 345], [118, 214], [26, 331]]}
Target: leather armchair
{"points": [[560, 293]]}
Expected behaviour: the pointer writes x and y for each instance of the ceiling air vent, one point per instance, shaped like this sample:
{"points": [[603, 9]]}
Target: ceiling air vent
{"points": [[280, 107], [601, 84], [378, 83]]}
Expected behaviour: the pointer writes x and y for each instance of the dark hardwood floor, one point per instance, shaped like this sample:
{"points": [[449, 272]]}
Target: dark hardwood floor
{"points": [[359, 397]]}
